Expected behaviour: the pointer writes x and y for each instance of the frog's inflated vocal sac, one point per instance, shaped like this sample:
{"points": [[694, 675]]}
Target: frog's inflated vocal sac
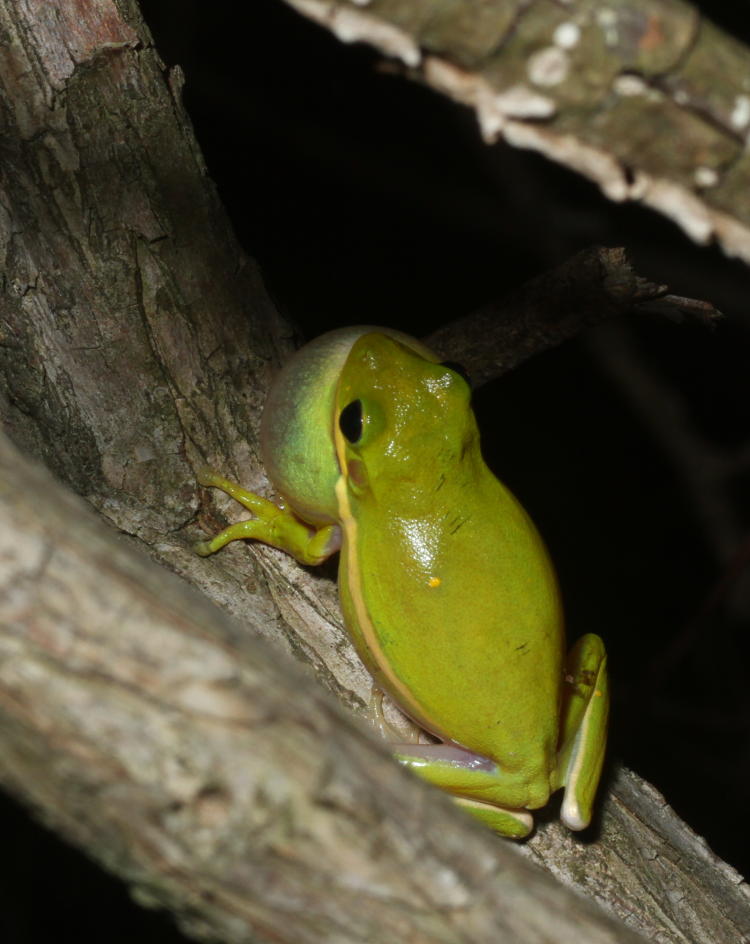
{"points": [[446, 587]]}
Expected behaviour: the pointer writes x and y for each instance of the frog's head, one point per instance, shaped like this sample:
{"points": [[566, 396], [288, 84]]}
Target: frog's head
{"points": [[403, 419], [300, 419]]}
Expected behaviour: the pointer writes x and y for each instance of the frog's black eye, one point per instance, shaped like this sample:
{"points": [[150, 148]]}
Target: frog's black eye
{"points": [[457, 369], [350, 421]]}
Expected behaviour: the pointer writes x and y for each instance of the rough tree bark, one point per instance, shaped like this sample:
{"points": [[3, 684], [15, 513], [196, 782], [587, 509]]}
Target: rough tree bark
{"points": [[645, 97], [136, 343]]}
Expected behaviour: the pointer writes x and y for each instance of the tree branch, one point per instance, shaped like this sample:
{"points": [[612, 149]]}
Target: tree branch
{"points": [[595, 285], [179, 750], [598, 90], [136, 343]]}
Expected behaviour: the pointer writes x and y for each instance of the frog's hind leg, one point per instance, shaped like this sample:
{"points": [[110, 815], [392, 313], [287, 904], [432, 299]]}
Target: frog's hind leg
{"points": [[583, 740], [474, 782], [515, 824]]}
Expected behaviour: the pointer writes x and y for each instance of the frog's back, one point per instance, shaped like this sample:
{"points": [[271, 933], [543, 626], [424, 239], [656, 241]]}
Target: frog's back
{"points": [[467, 629], [446, 586]]}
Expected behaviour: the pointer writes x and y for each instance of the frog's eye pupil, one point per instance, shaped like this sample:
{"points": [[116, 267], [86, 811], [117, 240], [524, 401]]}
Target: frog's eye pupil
{"points": [[350, 421], [457, 369]]}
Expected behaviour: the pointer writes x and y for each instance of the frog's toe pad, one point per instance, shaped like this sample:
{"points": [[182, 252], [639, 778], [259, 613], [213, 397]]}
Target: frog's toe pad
{"points": [[206, 476], [572, 815]]}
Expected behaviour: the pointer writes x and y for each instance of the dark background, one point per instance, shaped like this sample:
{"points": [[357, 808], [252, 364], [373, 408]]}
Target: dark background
{"points": [[367, 198]]}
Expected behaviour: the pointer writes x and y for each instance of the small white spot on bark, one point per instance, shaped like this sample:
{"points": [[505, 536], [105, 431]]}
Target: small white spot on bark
{"points": [[361, 3], [351, 26], [706, 177], [493, 109], [519, 101], [566, 149], [491, 119], [607, 19], [638, 186], [740, 116], [626, 85], [567, 35], [548, 66], [451, 892], [682, 206]]}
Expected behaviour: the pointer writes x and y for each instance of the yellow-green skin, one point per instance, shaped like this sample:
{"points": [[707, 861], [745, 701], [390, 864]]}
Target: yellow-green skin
{"points": [[445, 584]]}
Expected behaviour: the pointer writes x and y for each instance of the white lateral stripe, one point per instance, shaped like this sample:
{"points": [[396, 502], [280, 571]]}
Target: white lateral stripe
{"points": [[349, 525], [571, 811], [521, 816]]}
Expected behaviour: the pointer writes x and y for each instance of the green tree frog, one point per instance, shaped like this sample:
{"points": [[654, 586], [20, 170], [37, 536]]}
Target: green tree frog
{"points": [[445, 585]]}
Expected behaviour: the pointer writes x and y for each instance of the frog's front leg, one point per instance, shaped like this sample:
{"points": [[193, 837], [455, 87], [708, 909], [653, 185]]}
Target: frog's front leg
{"points": [[583, 735], [272, 525], [474, 781]]}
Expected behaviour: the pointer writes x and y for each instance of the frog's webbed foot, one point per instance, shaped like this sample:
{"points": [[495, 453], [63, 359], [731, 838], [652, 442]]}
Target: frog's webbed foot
{"points": [[272, 524], [583, 730]]}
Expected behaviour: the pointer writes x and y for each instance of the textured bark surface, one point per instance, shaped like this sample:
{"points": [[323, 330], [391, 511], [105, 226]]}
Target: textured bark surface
{"points": [[595, 285], [178, 748], [644, 97], [136, 343], [174, 746]]}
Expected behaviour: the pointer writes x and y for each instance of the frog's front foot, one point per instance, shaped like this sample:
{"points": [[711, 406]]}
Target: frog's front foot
{"points": [[273, 525]]}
